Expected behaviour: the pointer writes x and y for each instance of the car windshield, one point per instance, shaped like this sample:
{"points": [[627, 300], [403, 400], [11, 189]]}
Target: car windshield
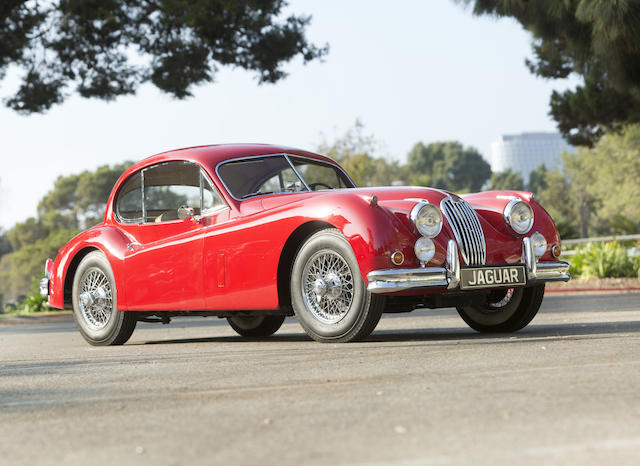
{"points": [[275, 174]]}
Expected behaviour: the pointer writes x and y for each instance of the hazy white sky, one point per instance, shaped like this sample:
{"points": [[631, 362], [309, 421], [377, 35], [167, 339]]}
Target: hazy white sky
{"points": [[415, 71]]}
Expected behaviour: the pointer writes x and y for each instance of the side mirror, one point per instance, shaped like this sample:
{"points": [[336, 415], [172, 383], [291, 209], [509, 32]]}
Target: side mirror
{"points": [[188, 214]]}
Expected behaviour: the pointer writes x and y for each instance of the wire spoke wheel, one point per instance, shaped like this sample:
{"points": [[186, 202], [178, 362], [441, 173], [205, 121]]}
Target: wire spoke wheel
{"points": [[95, 303], [328, 295], [327, 286], [96, 299]]}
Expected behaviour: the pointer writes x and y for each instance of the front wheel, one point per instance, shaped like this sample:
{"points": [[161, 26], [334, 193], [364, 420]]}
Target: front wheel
{"points": [[95, 304], [505, 310], [255, 326], [328, 295]]}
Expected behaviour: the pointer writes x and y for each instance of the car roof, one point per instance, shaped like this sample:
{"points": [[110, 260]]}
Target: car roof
{"points": [[209, 157], [212, 155]]}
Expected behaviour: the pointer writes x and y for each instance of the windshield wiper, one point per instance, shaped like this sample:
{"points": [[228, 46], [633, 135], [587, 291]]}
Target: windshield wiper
{"points": [[257, 193]]}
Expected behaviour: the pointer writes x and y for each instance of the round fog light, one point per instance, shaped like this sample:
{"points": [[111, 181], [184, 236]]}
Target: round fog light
{"points": [[539, 244], [424, 249]]}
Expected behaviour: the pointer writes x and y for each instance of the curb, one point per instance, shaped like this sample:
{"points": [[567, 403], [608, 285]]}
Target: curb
{"points": [[570, 291], [35, 319], [592, 290]]}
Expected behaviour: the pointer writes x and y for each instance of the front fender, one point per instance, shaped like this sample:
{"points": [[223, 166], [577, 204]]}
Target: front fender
{"points": [[372, 230], [110, 240]]}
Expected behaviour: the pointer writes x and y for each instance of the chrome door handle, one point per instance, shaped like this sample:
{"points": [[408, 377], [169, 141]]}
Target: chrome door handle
{"points": [[133, 246]]}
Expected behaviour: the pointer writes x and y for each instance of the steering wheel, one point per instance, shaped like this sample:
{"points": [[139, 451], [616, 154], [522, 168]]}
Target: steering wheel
{"points": [[313, 186]]}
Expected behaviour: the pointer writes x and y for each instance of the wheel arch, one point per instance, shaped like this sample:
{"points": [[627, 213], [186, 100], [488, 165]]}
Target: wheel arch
{"points": [[71, 272], [289, 250]]}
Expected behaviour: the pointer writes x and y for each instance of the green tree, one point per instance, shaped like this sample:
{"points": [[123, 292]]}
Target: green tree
{"points": [[76, 201], [538, 179], [5, 244], [355, 151], [27, 232], [447, 165], [597, 188], [507, 179], [107, 48], [597, 40], [612, 172], [578, 201], [18, 269], [557, 199]]}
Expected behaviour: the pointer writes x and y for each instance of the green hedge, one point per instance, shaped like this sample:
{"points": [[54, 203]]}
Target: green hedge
{"points": [[603, 260]]}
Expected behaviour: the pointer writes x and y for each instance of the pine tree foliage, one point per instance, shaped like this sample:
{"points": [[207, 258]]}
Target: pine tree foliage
{"points": [[107, 48], [598, 40]]}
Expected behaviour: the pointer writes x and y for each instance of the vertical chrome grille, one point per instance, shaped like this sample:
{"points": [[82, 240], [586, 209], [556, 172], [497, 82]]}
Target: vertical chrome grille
{"points": [[467, 230]]}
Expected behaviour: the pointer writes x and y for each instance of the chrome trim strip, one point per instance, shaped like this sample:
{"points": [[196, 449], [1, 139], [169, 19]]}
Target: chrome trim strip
{"points": [[529, 257], [553, 272], [385, 281], [466, 227], [453, 265], [44, 287], [203, 174], [296, 172]]}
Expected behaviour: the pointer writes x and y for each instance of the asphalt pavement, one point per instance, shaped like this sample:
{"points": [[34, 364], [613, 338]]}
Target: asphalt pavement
{"points": [[424, 389]]}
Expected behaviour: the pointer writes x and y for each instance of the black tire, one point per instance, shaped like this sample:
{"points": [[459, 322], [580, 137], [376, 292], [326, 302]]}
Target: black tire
{"points": [[255, 326], [510, 316], [345, 311], [97, 315]]}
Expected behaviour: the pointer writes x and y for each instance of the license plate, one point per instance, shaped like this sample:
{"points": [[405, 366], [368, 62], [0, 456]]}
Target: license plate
{"points": [[492, 277]]}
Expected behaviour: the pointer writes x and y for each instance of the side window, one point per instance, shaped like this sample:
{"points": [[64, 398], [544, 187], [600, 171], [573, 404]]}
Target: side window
{"points": [[129, 202], [168, 187], [211, 199]]}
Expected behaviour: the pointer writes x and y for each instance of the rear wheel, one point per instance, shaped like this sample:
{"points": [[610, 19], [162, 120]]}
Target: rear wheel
{"points": [[505, 310], [95, 303], [255, 326], [328, 295]]}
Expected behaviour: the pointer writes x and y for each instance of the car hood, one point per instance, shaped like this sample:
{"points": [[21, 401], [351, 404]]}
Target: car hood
{"points": [[393, 198]]}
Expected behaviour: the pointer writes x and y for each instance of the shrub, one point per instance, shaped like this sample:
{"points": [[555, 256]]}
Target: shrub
{"points": [[33, 302], [602, 260]]}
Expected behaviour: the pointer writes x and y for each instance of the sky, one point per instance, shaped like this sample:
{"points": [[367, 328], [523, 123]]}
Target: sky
{"points": [[417, 71]]}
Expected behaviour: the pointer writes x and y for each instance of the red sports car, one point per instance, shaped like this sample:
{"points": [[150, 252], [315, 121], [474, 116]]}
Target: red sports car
{"points": [[254, 233]]}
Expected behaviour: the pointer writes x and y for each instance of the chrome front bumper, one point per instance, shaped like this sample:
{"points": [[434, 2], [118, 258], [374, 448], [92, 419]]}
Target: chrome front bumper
{"points": [[44, 287], [448, 277]]}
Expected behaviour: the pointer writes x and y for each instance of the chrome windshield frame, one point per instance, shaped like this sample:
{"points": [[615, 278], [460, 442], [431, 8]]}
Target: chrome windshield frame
{"points": [[287, 157]]}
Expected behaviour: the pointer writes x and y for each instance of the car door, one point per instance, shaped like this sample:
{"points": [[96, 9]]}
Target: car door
{"points": [[163, 261]]}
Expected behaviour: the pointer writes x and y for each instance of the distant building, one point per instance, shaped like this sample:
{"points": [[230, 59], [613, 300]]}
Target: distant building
{"points": [[525, 152]]}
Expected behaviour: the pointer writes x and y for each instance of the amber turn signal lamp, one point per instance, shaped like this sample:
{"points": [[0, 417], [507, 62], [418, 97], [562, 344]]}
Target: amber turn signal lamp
{"points": [[397, 257], [556, 251]]}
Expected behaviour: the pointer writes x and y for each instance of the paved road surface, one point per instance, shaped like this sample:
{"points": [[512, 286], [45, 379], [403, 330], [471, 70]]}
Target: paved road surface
{"points": [[424, 390]]}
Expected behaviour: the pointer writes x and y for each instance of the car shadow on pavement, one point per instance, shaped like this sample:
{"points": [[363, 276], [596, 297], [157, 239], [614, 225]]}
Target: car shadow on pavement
{"points": [[458, 335]]}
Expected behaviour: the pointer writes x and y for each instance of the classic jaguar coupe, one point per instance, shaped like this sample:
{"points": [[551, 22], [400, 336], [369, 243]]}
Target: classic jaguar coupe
{"points": [[254, 233]]}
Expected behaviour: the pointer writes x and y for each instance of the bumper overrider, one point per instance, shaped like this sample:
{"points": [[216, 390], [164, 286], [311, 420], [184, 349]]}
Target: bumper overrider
{"points": [[449, 276]]}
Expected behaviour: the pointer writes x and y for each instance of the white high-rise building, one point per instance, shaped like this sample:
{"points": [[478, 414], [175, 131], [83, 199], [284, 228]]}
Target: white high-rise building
{"points": [[525, 152]]}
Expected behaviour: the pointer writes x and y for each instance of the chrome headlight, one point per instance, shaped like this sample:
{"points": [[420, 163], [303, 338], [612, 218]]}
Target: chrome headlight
{"points": [[539, 243], [519, 216], [427, 218], [424, 249]]}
